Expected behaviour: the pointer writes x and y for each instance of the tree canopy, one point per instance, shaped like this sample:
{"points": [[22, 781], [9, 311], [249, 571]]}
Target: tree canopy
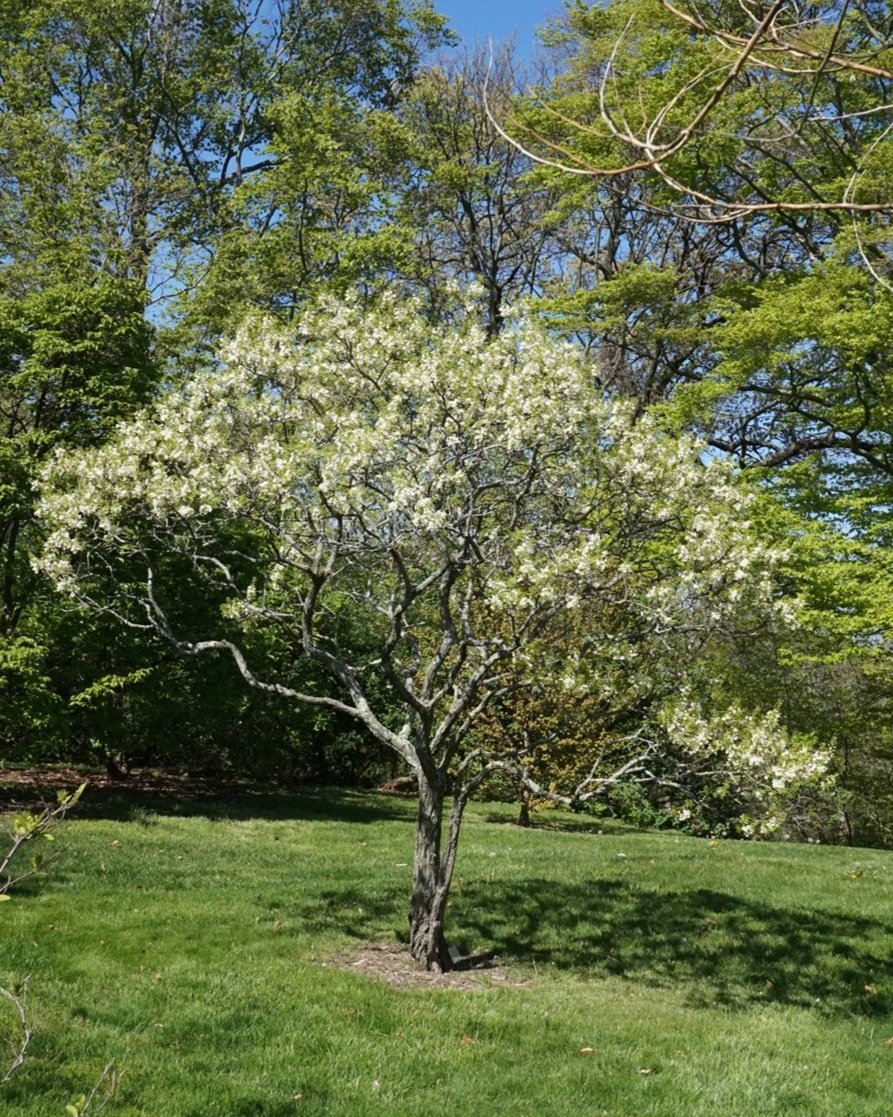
{"points": [[455, 500]]}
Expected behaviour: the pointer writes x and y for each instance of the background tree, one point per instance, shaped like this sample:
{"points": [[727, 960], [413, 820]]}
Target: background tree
{"points": [[476, 215], [735, 112], [748, 297], [175, 166], [73, 360], [133, 137]]}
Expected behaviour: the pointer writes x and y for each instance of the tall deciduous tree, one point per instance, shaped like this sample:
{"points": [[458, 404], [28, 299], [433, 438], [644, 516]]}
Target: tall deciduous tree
{"points": [[133, 136], [475, 214], [756, 144], [453, 497], [158, 111], [783, 109]]}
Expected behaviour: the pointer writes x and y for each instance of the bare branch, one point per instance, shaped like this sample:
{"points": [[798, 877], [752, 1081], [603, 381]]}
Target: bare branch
{"points": [[108, 1079], [27, 827], [765, 49]]}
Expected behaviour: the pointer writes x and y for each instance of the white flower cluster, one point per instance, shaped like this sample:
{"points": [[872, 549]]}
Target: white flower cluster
{"points": [[369, 446], [751, 750]]}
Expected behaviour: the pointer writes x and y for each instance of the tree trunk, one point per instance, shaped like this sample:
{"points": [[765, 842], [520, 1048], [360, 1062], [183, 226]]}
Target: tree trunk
{"points": [[430, 883], [116, 766], [524, 809]]}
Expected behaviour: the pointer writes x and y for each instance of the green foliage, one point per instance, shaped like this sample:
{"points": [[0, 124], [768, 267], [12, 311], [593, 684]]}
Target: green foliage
{"points": [[709, 121], [31, 712], [143, 145], [632, 803], [211, 159], [769, 333], [74, 359]]}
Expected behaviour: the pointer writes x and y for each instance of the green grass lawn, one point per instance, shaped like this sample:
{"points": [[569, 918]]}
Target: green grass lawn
{"points": [[663, 976]]}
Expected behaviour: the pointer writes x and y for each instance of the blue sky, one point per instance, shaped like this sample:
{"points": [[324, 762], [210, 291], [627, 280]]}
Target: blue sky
{"points": [[476, 20]]}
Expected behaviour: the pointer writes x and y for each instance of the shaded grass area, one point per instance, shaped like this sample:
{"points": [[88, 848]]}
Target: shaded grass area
{"points": [[191, 943], [151, 793], [712, 946]]}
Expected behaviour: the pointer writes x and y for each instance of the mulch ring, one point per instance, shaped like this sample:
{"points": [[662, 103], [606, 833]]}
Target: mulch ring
{"points": [[393, 965]]}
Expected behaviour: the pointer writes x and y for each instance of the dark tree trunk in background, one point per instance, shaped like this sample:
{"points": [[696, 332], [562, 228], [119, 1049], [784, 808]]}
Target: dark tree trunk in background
{"points": [[524, 810]]}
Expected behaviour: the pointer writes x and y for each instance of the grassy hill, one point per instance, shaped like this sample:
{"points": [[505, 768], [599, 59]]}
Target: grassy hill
{"points": [[213, 951]]}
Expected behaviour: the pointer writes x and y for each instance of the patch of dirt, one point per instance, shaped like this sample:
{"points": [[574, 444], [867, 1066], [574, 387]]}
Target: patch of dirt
{"points": [[394, 965]]}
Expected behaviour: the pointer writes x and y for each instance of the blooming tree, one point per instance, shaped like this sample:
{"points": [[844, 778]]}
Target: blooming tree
{"points": [[459, 498]]}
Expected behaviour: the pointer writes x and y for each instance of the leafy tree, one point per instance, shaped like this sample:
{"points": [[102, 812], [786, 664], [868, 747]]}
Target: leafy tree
{"points": [[140, 139], [476, 216], [783, 110], [159, 112], [454, 498], [74, 359], [749, 298]]}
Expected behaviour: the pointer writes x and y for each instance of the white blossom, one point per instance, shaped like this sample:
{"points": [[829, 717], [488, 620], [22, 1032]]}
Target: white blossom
{"points": [[366, 453]]}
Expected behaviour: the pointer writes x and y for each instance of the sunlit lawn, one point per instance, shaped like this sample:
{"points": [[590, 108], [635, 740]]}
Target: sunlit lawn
{"points": [[651, 975]]}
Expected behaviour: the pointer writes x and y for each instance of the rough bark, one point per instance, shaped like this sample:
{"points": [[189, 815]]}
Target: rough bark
{"points": [[431, 880]]}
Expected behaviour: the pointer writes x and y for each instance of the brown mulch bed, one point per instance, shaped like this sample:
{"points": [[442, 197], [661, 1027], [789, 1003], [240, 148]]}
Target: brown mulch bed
{"points": [[25, 788], [393, 965]]}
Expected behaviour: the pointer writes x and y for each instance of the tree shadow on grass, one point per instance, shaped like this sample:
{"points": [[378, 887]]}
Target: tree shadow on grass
{"points": [[718, 948], [364, 914]]}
